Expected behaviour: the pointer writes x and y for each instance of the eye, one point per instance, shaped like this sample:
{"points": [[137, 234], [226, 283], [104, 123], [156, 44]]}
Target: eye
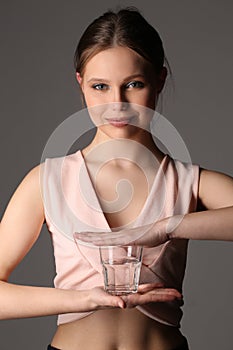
{"points": [[135, 84], [100, 86]]}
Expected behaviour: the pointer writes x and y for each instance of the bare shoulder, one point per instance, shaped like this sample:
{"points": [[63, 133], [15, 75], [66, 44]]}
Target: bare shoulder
{"points": [[29, 190], [33, 175], [215, 189]]}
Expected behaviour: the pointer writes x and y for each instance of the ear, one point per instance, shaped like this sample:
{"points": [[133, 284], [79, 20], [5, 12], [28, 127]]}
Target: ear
{"points": [[79, 78], [161, 79]]}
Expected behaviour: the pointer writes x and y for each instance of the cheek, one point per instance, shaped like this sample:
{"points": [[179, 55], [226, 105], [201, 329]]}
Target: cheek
{"points": [[96, 112], [152, 98], [148, 99], [90, 101], [151, 103], [88, 95], [94, 99]]}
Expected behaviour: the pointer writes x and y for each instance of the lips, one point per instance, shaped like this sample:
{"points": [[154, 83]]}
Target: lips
{"points": [[119, 122]]}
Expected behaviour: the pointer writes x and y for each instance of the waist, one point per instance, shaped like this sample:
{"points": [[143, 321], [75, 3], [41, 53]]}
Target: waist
{"points": [[117, 330]]}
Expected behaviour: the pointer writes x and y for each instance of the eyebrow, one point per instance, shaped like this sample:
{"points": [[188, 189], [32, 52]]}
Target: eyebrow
{"points": [[98, 79], [108, 81]]}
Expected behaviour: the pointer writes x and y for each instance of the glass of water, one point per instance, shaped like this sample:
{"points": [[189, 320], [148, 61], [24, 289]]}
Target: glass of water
{"points": [[121, 268]]}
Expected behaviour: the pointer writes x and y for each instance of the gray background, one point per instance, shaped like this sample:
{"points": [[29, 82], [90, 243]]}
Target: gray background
{"points": [[38, 91]]}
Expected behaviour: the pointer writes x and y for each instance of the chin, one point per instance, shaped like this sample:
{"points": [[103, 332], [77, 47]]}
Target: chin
{"points": [[125, 131]]}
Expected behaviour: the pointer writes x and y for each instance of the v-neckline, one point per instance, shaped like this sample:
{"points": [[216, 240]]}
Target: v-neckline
{"points": [[98, 206]]}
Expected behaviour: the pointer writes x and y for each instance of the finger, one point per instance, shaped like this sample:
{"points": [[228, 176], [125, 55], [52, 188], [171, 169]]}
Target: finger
{"points": [[143, 288], [115, 301], [106, 300], [101, 239], [167, 292], [131, 236], [157, 295]]}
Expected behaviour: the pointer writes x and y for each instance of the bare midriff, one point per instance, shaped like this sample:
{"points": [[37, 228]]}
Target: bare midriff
{"points": [[116, 329]]}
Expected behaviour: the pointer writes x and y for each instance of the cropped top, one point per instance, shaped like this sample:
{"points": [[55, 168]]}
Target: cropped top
{"points": [[71, 205]]}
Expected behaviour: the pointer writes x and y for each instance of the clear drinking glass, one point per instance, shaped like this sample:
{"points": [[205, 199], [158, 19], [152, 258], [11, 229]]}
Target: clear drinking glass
{"points": [[121, 268]]}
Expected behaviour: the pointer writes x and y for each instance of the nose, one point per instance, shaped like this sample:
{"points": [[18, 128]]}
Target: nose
{"points": [[119, 101]]}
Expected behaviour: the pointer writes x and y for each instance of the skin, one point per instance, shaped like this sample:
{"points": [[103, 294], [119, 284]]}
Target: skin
{"points": [[119, 77], [117, 324]]}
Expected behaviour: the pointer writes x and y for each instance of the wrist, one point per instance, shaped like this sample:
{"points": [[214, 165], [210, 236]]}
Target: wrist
{"points": [[170, 226], [77, 301]]}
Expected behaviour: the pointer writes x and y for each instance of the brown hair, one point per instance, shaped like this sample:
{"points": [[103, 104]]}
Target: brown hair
{"points": [[127, 28]]}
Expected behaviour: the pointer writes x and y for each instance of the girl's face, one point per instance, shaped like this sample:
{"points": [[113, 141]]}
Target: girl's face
{"points": [[117, 85]]}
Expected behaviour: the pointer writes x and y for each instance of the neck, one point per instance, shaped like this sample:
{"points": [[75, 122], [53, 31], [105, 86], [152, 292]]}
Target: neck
{"points": [[141, 150]]}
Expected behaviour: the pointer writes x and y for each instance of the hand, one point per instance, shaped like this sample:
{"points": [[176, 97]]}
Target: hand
{"points": [[99, 300], [149, 236], [151, 293], [147, 293]]}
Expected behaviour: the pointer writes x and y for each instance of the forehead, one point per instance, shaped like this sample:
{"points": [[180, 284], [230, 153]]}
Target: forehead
{"points": [[117, 61]]}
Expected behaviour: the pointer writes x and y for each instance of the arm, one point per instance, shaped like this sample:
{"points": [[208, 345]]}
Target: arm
{"points": [[214, 222]]}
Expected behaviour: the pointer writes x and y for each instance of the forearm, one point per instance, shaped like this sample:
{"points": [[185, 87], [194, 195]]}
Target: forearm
{"points": [[214, 224], [18, 301]]}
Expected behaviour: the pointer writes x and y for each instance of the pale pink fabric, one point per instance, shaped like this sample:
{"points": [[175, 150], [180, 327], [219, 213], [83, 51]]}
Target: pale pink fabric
{"points": [[71, 205]]}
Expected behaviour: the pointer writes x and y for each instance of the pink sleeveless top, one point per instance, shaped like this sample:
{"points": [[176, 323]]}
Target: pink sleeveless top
{"points": [[71, 205]]}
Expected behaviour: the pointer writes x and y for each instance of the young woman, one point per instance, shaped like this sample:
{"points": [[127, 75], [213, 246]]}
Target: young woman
{"points": [[120, 69]]}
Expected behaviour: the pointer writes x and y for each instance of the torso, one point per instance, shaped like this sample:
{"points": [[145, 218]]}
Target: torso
{"points": [[118, 329], [123, 197]]}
